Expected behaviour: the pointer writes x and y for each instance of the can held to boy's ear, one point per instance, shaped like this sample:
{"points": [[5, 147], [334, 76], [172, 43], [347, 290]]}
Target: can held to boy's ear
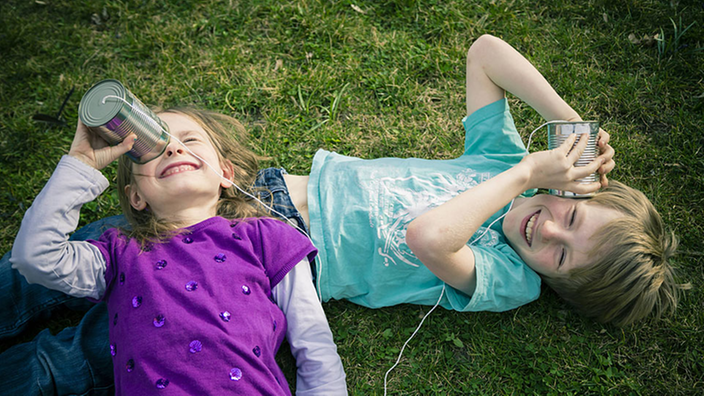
{"points": [[559, 131], [113, 112]]}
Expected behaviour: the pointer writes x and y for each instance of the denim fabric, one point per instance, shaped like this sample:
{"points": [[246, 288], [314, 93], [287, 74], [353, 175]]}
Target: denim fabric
{"points": [[77, 360], [277, 197]]}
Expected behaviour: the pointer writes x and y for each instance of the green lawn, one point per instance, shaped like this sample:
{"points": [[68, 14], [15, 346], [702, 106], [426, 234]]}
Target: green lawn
{"points": [[386, 78]]}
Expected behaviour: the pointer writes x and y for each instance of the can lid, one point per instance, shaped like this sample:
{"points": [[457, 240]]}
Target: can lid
{"points": [[94, 110]]}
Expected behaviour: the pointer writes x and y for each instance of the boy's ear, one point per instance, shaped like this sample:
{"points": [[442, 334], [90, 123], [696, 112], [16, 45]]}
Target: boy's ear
{"points": [[136, 200], [228, 172]]}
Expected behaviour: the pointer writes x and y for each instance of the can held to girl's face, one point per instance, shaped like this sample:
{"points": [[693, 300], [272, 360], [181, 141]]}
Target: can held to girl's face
{"points": [[113, 112], [559, 131]]}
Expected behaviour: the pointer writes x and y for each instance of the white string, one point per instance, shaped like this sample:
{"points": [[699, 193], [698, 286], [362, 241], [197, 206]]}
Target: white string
{"points": [[442, 292], [157, 125]]}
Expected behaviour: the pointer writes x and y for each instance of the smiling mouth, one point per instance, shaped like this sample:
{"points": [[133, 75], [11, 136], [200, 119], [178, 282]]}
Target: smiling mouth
{"points": [[530, 228], [172, 170]]}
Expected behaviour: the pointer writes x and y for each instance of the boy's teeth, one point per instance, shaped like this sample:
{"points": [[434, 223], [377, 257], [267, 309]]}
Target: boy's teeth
{"points": [[529, 229]]}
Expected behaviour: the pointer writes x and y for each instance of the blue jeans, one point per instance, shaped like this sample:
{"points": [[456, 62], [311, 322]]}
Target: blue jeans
{"points": [[77, 360]]}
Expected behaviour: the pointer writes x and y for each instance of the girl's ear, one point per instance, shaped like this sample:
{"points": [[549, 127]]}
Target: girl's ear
{"points": [[136, 200], [228, 172]]}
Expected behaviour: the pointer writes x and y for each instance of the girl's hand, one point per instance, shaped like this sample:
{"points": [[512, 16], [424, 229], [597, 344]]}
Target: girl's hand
{"points": [[607, 154], [555, 168], [93, 150]]}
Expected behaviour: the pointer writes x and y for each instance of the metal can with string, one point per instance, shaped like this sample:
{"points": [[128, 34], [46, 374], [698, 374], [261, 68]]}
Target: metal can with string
{"points": [[113, 112], [559, 131]]}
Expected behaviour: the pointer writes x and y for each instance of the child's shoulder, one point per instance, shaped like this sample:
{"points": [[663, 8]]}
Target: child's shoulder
{"points": [[261, 224]]}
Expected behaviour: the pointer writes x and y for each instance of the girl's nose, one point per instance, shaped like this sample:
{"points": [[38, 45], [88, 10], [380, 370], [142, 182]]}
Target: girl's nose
{"points": [[173, 148]]}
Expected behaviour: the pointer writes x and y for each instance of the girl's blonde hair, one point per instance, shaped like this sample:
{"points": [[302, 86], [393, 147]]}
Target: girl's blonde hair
{"points": [[228, 136], [631, 275]]}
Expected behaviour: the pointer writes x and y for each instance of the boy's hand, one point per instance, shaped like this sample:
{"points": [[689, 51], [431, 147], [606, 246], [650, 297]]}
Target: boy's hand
{"points": [[93, 150], [555, 168], [606, 152]]}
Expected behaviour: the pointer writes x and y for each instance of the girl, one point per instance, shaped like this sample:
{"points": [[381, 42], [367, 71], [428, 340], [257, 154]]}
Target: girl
{"points": [[202, 290]]}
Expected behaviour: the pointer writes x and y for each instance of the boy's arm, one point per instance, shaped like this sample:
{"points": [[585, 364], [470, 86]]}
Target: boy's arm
{"points": [[439, 237], [319, 368], [494, 67]]}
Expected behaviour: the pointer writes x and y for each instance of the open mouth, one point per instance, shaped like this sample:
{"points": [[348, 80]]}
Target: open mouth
{"points": [[529, 227], [177, 168]]}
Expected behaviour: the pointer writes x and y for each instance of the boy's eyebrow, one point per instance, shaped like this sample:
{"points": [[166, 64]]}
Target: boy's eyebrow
{"points": [[578, 220]]}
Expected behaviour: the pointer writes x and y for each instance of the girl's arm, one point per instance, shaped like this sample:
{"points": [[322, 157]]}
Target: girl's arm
{"points": [[41, 251], [319, 368]]}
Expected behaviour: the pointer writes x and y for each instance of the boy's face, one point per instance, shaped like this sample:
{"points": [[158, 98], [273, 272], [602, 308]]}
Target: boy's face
{"points": [[553, 234]]}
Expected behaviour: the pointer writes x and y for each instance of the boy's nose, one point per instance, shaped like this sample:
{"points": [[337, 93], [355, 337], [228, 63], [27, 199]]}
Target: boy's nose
{"points": [[551, 231]]}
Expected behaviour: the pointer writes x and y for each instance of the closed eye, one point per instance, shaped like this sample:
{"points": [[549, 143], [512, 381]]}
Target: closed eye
{"points": [[562, 258], [574, 215]]}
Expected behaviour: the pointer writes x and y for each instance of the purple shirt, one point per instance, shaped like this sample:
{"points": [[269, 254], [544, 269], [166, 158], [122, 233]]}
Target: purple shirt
{"points": [[194, 315]]}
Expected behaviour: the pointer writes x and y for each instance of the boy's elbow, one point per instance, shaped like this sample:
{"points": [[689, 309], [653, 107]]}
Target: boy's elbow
{"points": [[482, 47], [424, 240]]}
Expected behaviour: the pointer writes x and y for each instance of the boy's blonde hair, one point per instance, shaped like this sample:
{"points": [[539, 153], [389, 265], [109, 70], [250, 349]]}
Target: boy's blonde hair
{"points": [[228, 136], [631, 275]]}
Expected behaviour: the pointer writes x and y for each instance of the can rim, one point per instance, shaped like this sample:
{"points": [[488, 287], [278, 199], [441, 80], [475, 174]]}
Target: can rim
{"points": [[94, 110]]}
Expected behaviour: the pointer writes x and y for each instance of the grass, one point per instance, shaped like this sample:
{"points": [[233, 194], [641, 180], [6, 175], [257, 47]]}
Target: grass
{"points": [[387, 79]]}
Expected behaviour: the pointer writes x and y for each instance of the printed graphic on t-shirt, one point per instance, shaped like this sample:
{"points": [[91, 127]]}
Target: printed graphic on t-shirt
{"points": [[396, 201]]}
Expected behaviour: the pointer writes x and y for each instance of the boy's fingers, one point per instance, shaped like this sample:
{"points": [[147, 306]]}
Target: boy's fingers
{"points": [[603, 138], [584, 188], [604, 180], [586, 170], [578, 149], [566, 146]]}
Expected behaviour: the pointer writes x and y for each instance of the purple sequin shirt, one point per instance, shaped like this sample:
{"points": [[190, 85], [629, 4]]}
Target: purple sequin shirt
{"points": [[195, 315]]}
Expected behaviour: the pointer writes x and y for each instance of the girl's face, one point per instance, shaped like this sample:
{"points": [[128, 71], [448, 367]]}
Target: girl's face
{"points": [[177, 185], [552, 234]]}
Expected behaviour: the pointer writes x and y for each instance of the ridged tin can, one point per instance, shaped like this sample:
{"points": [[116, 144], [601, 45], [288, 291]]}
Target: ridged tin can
{"points": [[112, 111], [559, 131]]}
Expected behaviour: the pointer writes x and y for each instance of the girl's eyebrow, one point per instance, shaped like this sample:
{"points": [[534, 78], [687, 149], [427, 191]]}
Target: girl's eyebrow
{"points": [[188, 132]]}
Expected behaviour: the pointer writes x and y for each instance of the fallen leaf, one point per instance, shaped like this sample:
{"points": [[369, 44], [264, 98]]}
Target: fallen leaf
{"points": [[356, 8]]}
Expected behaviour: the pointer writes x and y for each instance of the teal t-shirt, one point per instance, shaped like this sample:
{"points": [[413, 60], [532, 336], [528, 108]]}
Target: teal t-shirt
{"points": [[360, 210]]}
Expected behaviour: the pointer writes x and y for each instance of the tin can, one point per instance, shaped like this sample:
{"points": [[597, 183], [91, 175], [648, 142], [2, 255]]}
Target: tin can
{"points": [[113, 112], [559, 131]]}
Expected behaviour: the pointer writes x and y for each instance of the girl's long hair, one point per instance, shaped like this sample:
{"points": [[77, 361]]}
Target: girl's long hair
{"points": [[228, 136]]}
